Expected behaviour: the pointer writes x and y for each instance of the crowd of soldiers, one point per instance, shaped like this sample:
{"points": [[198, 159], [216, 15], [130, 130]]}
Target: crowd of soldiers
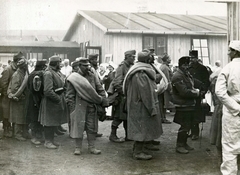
{"points": [[139, 91]]}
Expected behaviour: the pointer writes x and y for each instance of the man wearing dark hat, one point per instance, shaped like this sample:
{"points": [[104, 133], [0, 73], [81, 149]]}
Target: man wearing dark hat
{"points": [[116, 88], [184, 95], [201, 81], [18, 95], [5, 79], [143, 115], [35, 86], [93, 60], [86, 98], [53, 108]]}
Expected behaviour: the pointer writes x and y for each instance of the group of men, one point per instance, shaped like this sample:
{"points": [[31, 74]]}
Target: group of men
{"points": [[46, 99]]}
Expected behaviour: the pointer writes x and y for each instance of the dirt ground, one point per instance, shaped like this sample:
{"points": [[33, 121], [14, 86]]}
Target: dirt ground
{"points": [[24, 158]]}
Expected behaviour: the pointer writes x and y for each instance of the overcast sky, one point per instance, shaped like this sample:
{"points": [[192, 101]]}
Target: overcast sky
{"points": [[59, 14]]}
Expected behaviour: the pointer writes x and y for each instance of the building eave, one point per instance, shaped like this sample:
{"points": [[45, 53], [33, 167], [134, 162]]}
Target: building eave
{"points": [[114, 31]]}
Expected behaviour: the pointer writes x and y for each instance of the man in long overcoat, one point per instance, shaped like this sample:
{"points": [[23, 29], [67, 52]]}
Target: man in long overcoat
{"points": [[116, 88], [5, 79], [228, 92], [143, 115], [18, 95], [35, 86], [85, 97], [201, 81], [53, 109]]}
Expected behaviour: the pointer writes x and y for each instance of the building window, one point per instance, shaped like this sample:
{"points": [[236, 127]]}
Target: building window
{"points": [[201, 45], [38, 56], [159, 43]]}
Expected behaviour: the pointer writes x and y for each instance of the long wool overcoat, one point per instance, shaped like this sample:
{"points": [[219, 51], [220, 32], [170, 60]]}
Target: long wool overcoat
{"points": [[53, 109], [18, 109], [143, 115]]}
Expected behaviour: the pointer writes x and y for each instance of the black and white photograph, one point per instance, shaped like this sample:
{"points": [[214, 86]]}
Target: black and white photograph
{"points": [[119, 87]]}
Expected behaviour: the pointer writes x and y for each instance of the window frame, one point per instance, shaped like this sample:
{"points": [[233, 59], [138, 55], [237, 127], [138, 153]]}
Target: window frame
{"points": [[155, 44]]}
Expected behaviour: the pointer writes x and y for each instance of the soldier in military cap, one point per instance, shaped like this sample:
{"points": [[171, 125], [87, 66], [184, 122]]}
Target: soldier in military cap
{"points": [[201, 81], [53, 108], [35, 86], [84, 88], [5, 79], [116, 88]]}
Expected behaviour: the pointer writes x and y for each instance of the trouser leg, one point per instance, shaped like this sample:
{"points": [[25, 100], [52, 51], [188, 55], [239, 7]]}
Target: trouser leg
{"points": [[78, 143], [115, 123], [229, 165], [138, 147], [18, 130], [195, 129], [49, 133], [182, 136], [125, 128]]}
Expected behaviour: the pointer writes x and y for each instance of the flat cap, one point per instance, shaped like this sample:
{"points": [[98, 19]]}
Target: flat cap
{"points": [[235, 44], [84, 61], [143, 56], [92, 56], [130, 52], [42, 62], [193, 53], [54, 58], [75, 63], [184, 60]]}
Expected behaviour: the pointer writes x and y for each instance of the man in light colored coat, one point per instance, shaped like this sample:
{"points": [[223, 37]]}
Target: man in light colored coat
{"points": [[85, 97], [228, 91]]}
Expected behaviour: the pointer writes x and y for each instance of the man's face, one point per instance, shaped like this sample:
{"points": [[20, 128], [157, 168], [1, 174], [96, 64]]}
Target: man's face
{"points": [[84, 68], [94, 61], [151, 59], [66, 63], [59, 65], [169, 60], [231, 53], [193, 60], [130, 59], [185, 67]]}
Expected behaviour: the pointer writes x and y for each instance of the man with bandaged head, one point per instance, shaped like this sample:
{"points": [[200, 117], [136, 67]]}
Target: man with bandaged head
{"points": [[143, 115]]}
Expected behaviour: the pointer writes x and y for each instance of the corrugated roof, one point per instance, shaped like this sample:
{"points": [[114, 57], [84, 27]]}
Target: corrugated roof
{"points": [[64, 44], [116, 22]]}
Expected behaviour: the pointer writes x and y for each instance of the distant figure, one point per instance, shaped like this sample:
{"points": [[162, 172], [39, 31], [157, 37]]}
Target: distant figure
{"points": [[31, 64], [66, 69]]}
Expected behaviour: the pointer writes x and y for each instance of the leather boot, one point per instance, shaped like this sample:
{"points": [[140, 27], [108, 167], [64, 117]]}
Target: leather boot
{"points": [[91, 144], [113, 137], [181, 149]]}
